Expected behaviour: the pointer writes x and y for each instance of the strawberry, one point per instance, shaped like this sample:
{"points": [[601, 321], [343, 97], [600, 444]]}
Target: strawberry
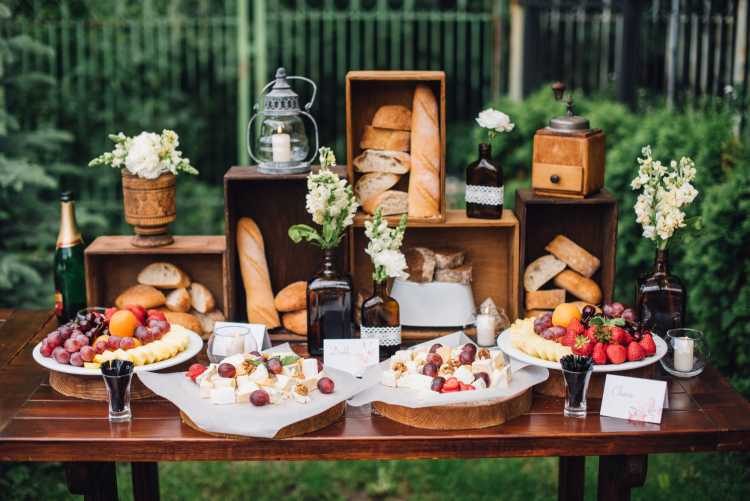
{"points": [[618, 335], [451, 384], [576, 326], [648, 345], [583, 346], [635, 352], [568, 339], [138, 311], [591, 332], [465, 387], [159, 315], [599, 354], [195, 370], [628, 339], [616, 353]]}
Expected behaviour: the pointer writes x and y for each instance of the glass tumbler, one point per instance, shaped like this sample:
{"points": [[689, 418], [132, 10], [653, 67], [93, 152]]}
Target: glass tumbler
{"points": [[576, 387], [687, 352], [229, 340], [118, 375]]}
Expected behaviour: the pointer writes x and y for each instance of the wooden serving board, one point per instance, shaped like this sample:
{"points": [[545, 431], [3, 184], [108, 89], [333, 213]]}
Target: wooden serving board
{"points": [[92, 388], [309, 425], [554, 386], [465, 416]]}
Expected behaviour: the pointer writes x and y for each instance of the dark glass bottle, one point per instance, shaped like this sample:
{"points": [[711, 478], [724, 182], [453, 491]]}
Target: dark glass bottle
{"points": [[381, 319], [70, 280], [661, 297], [329, 300], [484, 186]]}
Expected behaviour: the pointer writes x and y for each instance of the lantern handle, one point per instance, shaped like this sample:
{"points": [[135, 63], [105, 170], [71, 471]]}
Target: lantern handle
{"points": [[315, 126], [315, 91], [247, 138]]}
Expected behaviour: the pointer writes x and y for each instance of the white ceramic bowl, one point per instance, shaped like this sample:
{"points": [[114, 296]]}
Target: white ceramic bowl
{"points": [[434, 304]]}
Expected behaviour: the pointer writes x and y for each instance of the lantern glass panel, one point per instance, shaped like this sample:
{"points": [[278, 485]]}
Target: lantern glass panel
{"points": [[289, 124]]}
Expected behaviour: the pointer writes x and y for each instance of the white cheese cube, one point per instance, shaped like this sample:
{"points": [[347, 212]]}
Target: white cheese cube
{"points": [[420, 357], [402, 356], [224, 382], [309, 368], [283, 383], [498, 360], [275, 396], [210, 371], [479, 384], [499, 378], [205, 388], [464, 374], [411, 367], [259, 374], [482, 366], [222, 396], [415, 382], [389, 378]]}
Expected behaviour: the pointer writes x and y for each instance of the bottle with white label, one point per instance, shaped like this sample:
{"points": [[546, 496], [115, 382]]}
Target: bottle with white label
{"points": [[381, 320], [484, 186]]}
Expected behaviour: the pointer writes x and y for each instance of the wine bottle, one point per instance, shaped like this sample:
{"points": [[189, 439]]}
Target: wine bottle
{"points": [[70, 285], [484, 186]]}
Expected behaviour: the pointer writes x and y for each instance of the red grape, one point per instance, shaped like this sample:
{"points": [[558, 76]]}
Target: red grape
{"points": [[274, 366], [127, 343], [435, 347], [100, 345], [484, 376], [227, 370], [470, 347], [87, 353], [259, 398], [430, 370], [553, 332], [466, 357], [629, 315], [65, 331], [141, 333], [72, 345], [437, 384], [325, 385], [46, 349], [113, 342], [435, 359], [61, 355], [617, 309], [543, 322], [55, 339], [82, 339], [76, 359]]}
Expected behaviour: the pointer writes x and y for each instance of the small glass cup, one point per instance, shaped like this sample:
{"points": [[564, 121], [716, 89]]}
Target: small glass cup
{"points": [[576, 387], [687, 352], [229, 340], [118, 375]]}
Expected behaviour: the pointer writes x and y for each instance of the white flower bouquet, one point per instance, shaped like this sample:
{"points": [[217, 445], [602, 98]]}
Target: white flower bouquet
{"points": [[665, 191], [147, 155], [494, 121], [331, 203], [384, 247]]}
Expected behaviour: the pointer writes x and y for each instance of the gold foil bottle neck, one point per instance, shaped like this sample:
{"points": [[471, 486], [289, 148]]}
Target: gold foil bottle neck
{"points": [[69, 234]]}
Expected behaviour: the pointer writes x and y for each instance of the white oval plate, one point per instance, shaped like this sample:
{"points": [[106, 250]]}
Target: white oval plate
{"points": [[195, 346], [503, 341]]}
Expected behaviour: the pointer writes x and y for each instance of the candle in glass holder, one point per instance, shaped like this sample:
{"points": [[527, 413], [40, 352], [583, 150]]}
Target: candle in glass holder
{"points": [[485, 330], [683, 354], [281, 147]]}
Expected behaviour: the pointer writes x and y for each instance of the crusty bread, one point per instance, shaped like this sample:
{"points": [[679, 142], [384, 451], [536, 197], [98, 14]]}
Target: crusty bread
{"points": [[255, 277], [295, 321], [208, 320], [293, 297], [392, 116], [373, 184], [391, 202], [459, 275], [448, 257], [186, 320], [395, 162], [163, 276], [420, 264], [424, 179], [540, 271], [544, 299], [179, 300], [581, 287], [575, 256], [140, 295], [376, 138], [201, 298]]}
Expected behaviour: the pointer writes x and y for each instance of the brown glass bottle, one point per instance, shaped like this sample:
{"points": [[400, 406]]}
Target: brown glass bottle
{"points": [[329, 305], [661, 297], [381, 319], [484, 186], [70, 282]]}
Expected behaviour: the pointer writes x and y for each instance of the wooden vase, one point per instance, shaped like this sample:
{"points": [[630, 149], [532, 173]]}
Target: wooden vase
{"points": [[149, 207]]}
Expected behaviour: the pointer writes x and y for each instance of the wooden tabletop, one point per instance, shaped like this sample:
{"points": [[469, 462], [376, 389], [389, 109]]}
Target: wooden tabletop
{"points": [[37, 424]]}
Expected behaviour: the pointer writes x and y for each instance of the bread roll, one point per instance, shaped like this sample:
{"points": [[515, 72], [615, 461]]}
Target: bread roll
{"points": [[544, 299], [458, 275], [575, 256], [296, 322], [424, 179], [186, 320], [374, 184], [178, 300], [163, 276], [375, 138], [255, 277], [140, 295], [395, 162], [201, 298], [292, 297], [448, 257], [208, 320], [392, 116], [420, 264], [540, 271], [391, 202], [581, 287]]}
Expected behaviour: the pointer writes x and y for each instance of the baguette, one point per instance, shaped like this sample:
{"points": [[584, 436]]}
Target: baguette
{"points": [[141, 295], [255, 277], [392, 116], [575, 256], [394, 162], [376, 138], [544, 299], [391, 202], [296, 322], [179, 300], [424, 180], [581, 287], [540, 271], [163, 276], [373, 184], [293, 297]]}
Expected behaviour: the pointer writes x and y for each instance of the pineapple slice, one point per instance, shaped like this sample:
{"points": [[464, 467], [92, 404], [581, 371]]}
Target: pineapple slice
{"points": [[137, 356], [91, 365]]}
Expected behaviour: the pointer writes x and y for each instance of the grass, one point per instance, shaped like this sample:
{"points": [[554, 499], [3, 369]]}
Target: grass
{"points": [[673, 476]]}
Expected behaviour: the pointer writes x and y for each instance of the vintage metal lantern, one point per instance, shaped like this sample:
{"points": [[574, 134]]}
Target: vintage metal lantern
{"points": [[281, 144]]}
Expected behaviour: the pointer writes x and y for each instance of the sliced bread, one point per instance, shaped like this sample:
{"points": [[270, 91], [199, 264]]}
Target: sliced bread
{"points": [[390, 202], [541, 271], [374, 183], [420, 263], [545, 299], [179, 300], [395, 162], [575, 256], [392, 116], [385, 139], [201, 298], [163, 276]]}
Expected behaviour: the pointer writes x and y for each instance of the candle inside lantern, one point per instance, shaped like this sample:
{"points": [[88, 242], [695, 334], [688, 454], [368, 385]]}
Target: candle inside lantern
{"points": [[485, 330], [683, 354], [281, 146]]}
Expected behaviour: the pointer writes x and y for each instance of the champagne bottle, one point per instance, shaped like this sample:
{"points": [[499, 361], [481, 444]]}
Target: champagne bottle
{"points": [[70, 285]]}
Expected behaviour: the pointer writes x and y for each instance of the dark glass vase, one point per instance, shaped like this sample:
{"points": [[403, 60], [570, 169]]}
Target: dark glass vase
{"points": [[381, 320], [661, 297], [329, 300], [484, 186]]}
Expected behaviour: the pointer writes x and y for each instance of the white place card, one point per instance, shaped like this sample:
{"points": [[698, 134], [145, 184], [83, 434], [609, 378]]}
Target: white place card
{"points": [[633, 398], [257, 331], [351, 355]]}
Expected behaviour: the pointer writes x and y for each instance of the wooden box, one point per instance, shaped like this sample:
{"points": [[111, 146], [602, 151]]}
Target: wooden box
{"points": [[113, 264], [366, 91], [275, 202], [568, 165], [491, 247], [590, 222]]}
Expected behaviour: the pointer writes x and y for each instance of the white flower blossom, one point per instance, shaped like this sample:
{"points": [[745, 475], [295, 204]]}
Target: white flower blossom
{"points": [[384, 247], [495, 120]]}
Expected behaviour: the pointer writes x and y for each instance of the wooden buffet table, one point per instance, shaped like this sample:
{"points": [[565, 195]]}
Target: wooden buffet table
{"points": [[37, 424]]}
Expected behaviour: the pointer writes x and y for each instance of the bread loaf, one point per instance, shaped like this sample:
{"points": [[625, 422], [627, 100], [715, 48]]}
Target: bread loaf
{"points": [[581, 287], [373, 184], [296, 322], [458, 275], [163, 276], [575, 256], [540, 271], [391, 202], [395, 162], [448, 257], [544, 299], [420, 262], [392, 116], [140, 295], [186, 320], [179, 300], [201, 298], [292, 297], [375, 138], [424, 179], [255, 277]]}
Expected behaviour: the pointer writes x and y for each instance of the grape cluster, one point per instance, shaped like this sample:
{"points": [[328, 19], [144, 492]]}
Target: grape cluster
{"points": [[71, 343]]}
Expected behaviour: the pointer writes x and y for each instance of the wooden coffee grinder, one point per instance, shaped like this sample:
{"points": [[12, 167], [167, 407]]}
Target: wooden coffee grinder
{"points": [[568, 160]]}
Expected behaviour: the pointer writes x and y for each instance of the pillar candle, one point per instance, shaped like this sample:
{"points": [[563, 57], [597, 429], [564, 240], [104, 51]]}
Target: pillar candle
{"points": [[281, 147], [683, 354], [485, 330]]}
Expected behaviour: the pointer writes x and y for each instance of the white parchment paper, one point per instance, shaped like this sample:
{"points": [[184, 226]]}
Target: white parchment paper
{"points": [[244, 418], [524, 377]]}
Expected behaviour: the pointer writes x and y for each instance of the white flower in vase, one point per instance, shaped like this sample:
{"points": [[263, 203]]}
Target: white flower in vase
{"points": [[494, 121], [384, 247]]}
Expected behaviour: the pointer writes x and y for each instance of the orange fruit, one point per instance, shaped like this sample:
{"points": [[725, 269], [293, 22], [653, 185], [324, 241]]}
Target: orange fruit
{"points": [[123, 323], [563, 314]]}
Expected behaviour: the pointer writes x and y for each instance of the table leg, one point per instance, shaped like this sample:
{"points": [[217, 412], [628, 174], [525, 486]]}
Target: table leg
{"points": [[145, 481], [571, 478], [618, 474], [94, 481]]}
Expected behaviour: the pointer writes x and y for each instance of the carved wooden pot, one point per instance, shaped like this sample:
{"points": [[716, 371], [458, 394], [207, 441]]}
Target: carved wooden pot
{"points": [[149, 207]]}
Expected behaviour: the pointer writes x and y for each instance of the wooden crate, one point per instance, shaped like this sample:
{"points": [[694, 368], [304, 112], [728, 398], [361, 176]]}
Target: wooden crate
{"points": [[590, 222], [113, 264], [491, 247], [275, 202], [366, 91]]}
